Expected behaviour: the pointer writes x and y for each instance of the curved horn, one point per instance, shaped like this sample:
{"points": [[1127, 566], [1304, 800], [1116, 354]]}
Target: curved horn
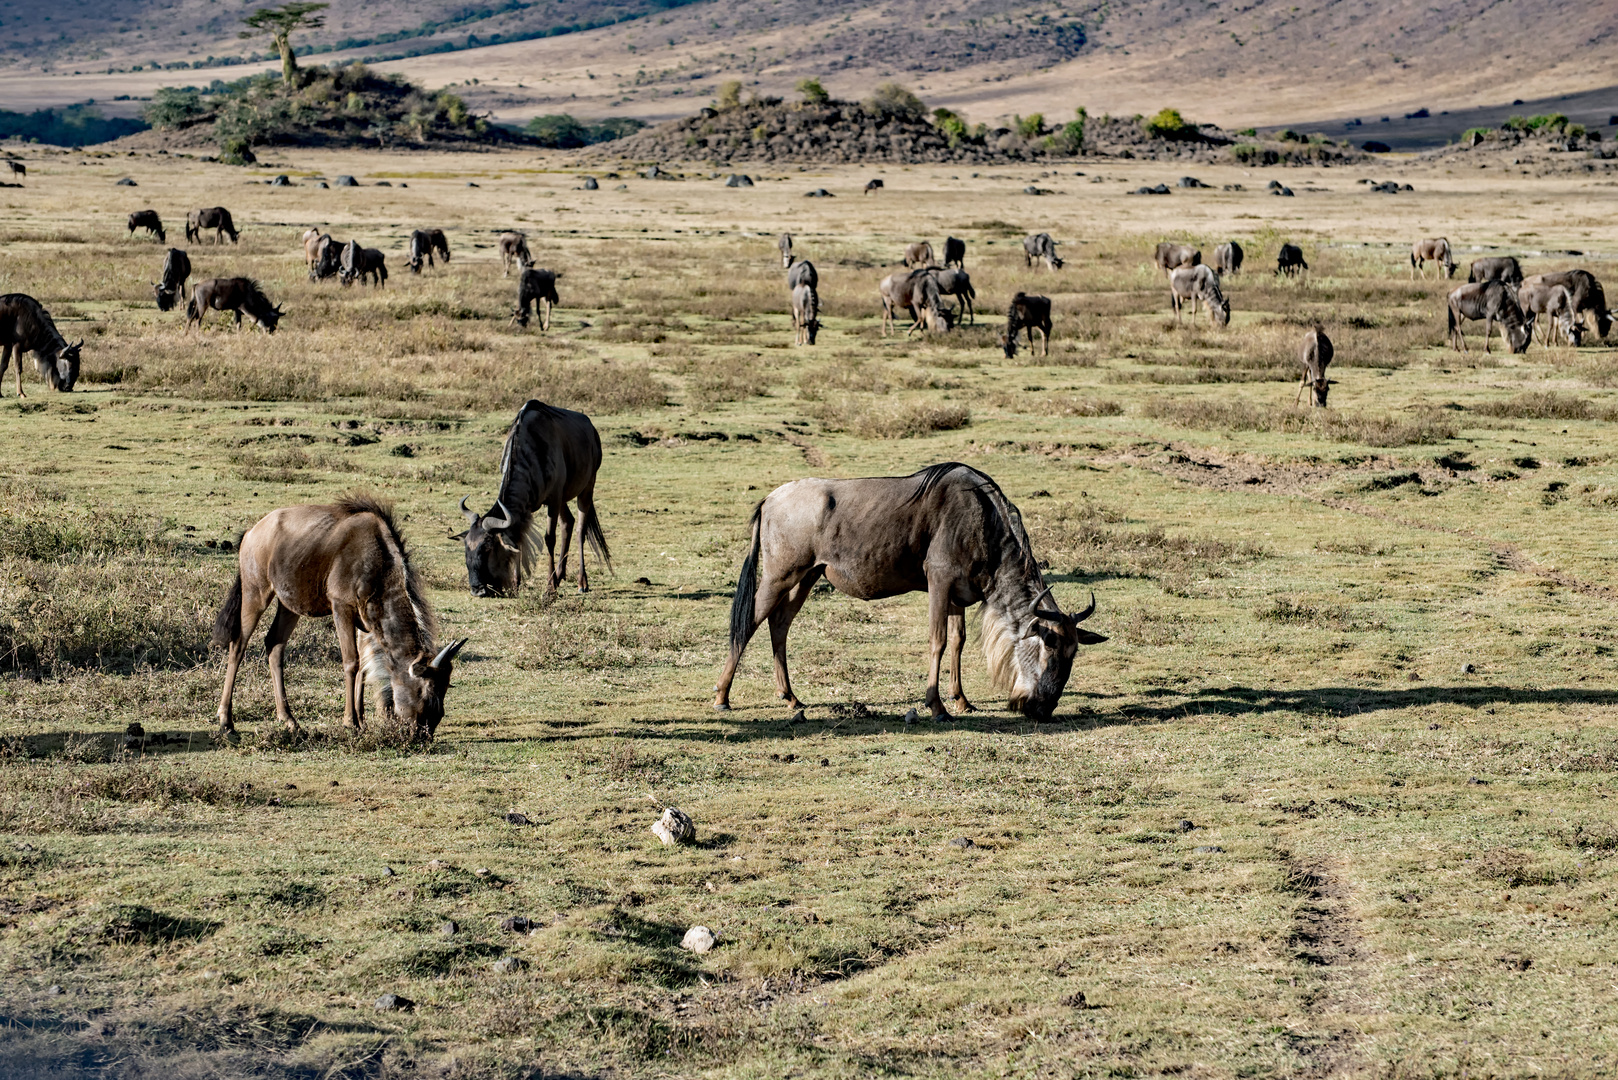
{"points": [[449, 652], [471, 515], [498, 523], [1033, 608], [1080, 616]]}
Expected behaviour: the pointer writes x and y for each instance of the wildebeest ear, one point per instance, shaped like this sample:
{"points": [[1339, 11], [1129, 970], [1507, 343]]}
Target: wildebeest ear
{"points": [[460, 535], [1087, 638]]}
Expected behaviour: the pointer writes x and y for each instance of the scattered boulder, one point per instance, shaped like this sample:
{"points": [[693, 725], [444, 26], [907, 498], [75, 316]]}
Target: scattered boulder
{"points": [[323, 184], [1233, 187], [394, 1003], [346, 181], [1193, 182], [403, 184], [127, 182], [1157, 189], [911, 717], [699, 939], [1283, 190], [1387, 187], [281, 181], [819, 193], [470, 184], [448, 928], [1274, 185], [738, 180], [674, 827], [516, 924], [1032, 190], [387, 871], [384, 183], [1185, 825], [53, 990], [515, 818], [621, 187], [1468, 669], [591, 183], [1208, 849], [655, 173], [962, 842], [1374, 147]]}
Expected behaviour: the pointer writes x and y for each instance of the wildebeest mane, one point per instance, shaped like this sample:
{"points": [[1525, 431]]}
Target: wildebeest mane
{"points": [[519, 472], [425, 629], [1005, 512]]}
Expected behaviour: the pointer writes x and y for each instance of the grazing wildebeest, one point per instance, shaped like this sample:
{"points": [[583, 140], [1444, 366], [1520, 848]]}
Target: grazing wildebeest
{"points": [[328, 258], [1495, 268], [1040, 246], [1587, 296], [1170, 256], [236, 294], [1435, 250], [947, 530], [955, 253], [176, 268], [784, 243], [1198, 283], [551, 457], [148, 220], [311, 248], [536, 287], [805, 314], [1538, 297], [872, 185], [916, 292], [958, 284], [1228, 258], [17, 167], [359, 264], [1027, 314], [423, 242], [514, 250], [1317, 354], [803, 273], [1289, 260], [346, 560], [919, 254], [25, 326], [1490, 301], [216, 218]]}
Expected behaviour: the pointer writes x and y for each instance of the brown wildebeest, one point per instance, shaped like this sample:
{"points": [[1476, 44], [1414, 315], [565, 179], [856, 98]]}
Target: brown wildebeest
{"points": [[947, 530], [1198, 283], [25, 326], [1027, 314], [514, 250], [872, 185], [216, 218], [1040, 246], [805, 314], [536, 287], [784, 244], [1435, 250], [1495, 268], [176, 268], [1587, 296], [148, 220], [328, 258], [17, 167], [236, 294], [1289, 261], [1538, 297], [1317, 354], [958, 284], [311, 248], [955, 253], [423, 243], [552, 456], [1170, 256], [919, 254], [360, 264], [916, 292], [346, 560], [1228, 257], [803, 273], [1490, 301]]}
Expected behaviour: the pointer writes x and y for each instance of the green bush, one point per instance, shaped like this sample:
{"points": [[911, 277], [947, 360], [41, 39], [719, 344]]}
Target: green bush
{"points": [[952, 125], [1169, 124], [173, 108], [1070, 138], [813, 93], [563, 132], [893, 102], [730, 96], [1030, 127], [237, 150]]}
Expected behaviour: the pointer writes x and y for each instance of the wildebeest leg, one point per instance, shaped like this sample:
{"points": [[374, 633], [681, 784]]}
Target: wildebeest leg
{"points": [[275, 642], [5, 362], [353, 683], [771, 589], [780, 622], [567, 542], [550, 547], [253, 605], [1488, 330], [1044, 340], [957, 629], [545, 317], [587, 512], [938, 609]]}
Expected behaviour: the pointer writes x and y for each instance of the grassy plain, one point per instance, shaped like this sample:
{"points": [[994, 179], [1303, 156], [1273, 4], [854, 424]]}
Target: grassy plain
{"points": [[1366, 653]]}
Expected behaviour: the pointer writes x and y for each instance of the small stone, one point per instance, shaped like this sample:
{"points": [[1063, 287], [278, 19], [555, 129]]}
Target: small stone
{"points": [[911, 717], [824, 762], [675, 827], [1475, 780], [290, 787], [127, 182], [482, 871], [1468, 669], [962, 842], [516, 924], [470, 184], [508, 965], [1434, 727], [387, 871], [800, 717], [394, 1003], [222, 547], [1209, 849], [1185, 825], [1076, 1000], [53, 991], [447, 928], [346, 181], [515, 818], [699, 939], [591, 183], [323, 184], [437, 864]]}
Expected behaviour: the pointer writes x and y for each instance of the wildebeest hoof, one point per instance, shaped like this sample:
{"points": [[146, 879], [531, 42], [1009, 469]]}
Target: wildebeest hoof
{"points": [[721, 706], [964, 705]]}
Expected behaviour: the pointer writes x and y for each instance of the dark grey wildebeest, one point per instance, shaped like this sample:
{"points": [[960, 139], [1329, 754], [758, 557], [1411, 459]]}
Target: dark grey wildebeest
{"points": [[1025, 315], [1289, 261], [1198, 284], [1539, 297], [948, 531], [919, 254], [1317, 354], [551, 458], [362, 264], [1436, 250], [536, 287], [1495, 268], [1492, 302], [25, 326], [17, 167], [783, 244], [327, 260], [423, 244], [239, 295], [1170, 256], [514, 251], [1587, 296], [216, 218], [803, 273], [958, 283], [805, 313], [1040, 247], [955, 253], [148, 220], [873, 185], [1228, 257], [176, 269]]}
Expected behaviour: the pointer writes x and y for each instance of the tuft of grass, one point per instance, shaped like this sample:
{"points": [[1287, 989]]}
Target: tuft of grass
{"points": [[888, 418], [1364, 429], [1040, 403], [1543, 405]]}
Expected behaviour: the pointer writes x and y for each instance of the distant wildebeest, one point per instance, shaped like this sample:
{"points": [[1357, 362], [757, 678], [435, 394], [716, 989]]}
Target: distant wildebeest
{"points": [[919, 254], [915, 292], [1435, 250], [1289, 260], [216, 218], [328, 258], [873, 185], [805, 314], [176, 268], [551, 457], [955, 253], [947, 530], [148, 220], [1538, 297], [362, 263], [1317, 354], [238, 294], [1492, 302], [803, 273], [1587, 296], [311, 248], [1027, 314], [536, 288], [1040, 246], [1495, 268], [1228, 258], [1198, 284], [17, 167], [1170, 256], [25, 326], [423, 243], [784, 245], [958, 283], [514, 251], [346, 560]]}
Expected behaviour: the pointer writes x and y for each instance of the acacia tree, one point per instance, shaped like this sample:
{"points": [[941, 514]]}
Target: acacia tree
{"points": [[279, 24]]}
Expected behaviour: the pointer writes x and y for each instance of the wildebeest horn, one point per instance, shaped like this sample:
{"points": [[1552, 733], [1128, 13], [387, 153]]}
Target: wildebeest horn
{"points": [[449, 652], [1080, 616], [1033, 609], [471, 515], [497, 523]]}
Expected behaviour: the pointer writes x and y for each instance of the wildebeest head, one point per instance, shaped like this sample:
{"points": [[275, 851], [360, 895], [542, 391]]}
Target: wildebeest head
{"points": [[1219, 312], [1518, 336], [270, 317], [165, 297], [1320, 388], [62, 369], [493, 562], [418, 700], [1042, 655]]}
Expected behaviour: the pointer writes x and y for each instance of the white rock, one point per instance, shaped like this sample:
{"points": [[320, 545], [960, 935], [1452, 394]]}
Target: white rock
{"points": [[675, 827], [698, 939]]}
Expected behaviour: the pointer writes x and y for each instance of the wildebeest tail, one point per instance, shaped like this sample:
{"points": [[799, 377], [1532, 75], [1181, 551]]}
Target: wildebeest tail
{"points": [[741, 608], [227, 626], [590, 532], [1452, 322]]}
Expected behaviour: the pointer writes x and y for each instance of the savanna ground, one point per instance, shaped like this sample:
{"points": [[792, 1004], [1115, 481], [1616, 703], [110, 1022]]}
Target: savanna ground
{"points": [[1365, 652]]}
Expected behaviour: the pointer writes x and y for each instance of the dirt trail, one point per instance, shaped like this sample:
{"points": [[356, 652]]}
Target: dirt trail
{"points": [[1325, 937]]}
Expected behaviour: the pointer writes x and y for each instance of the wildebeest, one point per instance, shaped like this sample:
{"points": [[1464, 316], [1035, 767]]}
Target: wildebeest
{"points": [[1228, 257], [955, 253], [784, 244], [1289, 260], [805, 314], [958, 283], [238, 294], [176, 268], [872, 185], [216, 218], [1317, 354], [1435, 250], [148, 220], [947, 530], [1198, 283], [312, 238], [1170, 256], [514, 250], [1040, 246], [1587, 296], [327, 260], [1538, 297], [803, 273], [423, 242], [1490, 301], [536, 287], [551, 457], [346, 560], [17, 167], [1027, 314], [25, 326], [919, 254], [1495, 268], [359, 263], [915, 292]]}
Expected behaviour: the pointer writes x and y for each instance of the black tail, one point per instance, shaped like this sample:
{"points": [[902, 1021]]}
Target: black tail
{"points": [[741, 608], [227, 627], [590, 532]]}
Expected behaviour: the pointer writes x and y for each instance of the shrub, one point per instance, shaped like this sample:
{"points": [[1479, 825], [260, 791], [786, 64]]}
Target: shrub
{"points": [[1030, 127], [236, 150], [893, 102], [172, 108], [1070, 139], [1169, 124], [730, 96], [813, 93], [563, 132]]}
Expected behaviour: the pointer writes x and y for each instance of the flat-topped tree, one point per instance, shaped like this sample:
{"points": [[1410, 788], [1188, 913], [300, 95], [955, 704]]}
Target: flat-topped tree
{"points": [[279, 22]]}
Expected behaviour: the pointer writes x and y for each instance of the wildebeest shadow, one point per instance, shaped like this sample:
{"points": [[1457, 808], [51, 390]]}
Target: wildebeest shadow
{"points": [[1344, 701], [117, 745]]}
